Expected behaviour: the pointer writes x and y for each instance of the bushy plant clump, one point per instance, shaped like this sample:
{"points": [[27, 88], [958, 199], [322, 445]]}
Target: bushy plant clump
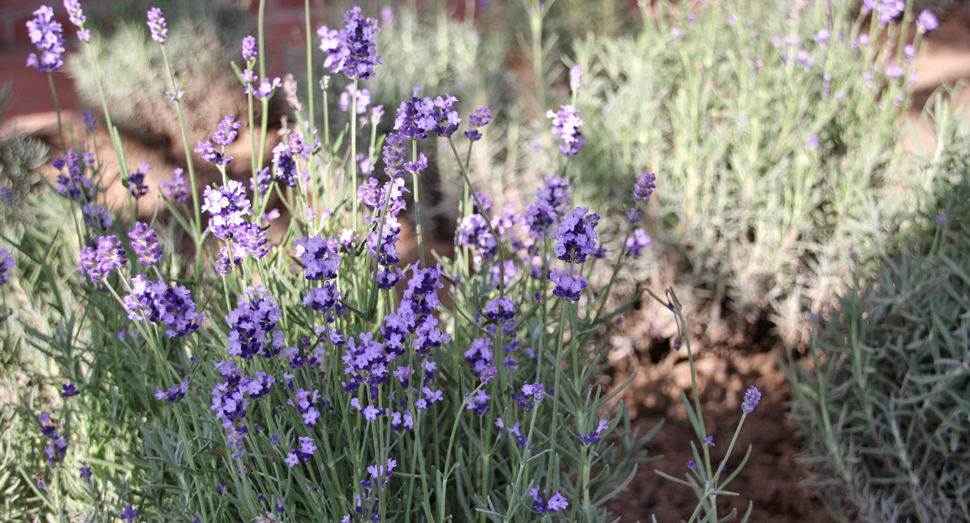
{"points": [[777, 124], [885, 398], [311, 376]]}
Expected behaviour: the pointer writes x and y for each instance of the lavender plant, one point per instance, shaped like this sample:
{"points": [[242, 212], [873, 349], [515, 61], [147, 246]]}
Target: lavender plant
{"points": [[311, 376], [777, 124]]}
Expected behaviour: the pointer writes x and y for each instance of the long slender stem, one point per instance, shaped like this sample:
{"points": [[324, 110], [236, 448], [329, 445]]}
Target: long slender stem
{"points": [[57, 109], [353, 152], [197, 233], [417, 204]]}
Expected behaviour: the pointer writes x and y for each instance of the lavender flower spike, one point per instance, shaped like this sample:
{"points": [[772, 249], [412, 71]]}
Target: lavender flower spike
{"points": [[6, 264], [144, 242], [73, 8], [352, 50], [45, 33], [926, 22], [565, 125], [157, 25], [98, 261], [751, 399], [249, 48], [575, 78]]}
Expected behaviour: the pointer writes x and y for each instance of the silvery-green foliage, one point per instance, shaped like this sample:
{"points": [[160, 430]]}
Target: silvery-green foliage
{"points": [[725, 104], [885, 398]]}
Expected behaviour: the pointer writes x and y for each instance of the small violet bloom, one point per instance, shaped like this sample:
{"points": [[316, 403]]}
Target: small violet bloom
{"points": [[565, 124], [157, 25], [45, 33], [751, 399]]}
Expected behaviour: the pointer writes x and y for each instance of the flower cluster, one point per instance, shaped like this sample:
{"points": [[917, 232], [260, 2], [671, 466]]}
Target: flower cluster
{"points": [[224, 135], [320, 258], [252, 324], [157, 25], [352, 50], [157, 302], [7, 263], [549, 206], [362, 99], [249, 49], [228, 206], [45, 33], [76, 185], [175, 187], [136, 181], [285, 156], [419, 116], [751, 399], [174, 392], [97, 218], [77, 17], [594, 435], [106, 255], [575, 237], [476, 120], [575, 78], [565, 124], [643, 189], [55, 451], [301, 455], [567, 286], [636, 243], [556, 502]]}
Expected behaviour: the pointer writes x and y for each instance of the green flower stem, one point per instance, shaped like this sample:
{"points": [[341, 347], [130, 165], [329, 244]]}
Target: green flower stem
{"points": [[417, 204], [57, 109], [197, 233], [616, 270]]}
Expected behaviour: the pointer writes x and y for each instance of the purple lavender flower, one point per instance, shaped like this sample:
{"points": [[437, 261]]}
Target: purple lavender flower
{"points": [[479, 403], [894, 71], [251, 325], [106, 255], [567, 287], [575, 237], [209, 153], [157, 302], [175, 392], [156, 24], [249, 48], [575, 78], [751, 399], [363, 99], [175, 187], [822, 37], [868, 5], [226, 132], [90, 121], [7, 263], [96, 217], [45, 33], [927, 21], [265, 87], [548, 207], [565, 125], [594, 435], [320, 258], [351, 50], [144, 242], [284, 165], [86, 474], [644, 187], [136, 181], [6, 194], [415, 117], [227, 205], [478, 119], [73, 8], [129, 513], [940, 221], [889, 10], [636, 243], [556, 502], [69, 390]]}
